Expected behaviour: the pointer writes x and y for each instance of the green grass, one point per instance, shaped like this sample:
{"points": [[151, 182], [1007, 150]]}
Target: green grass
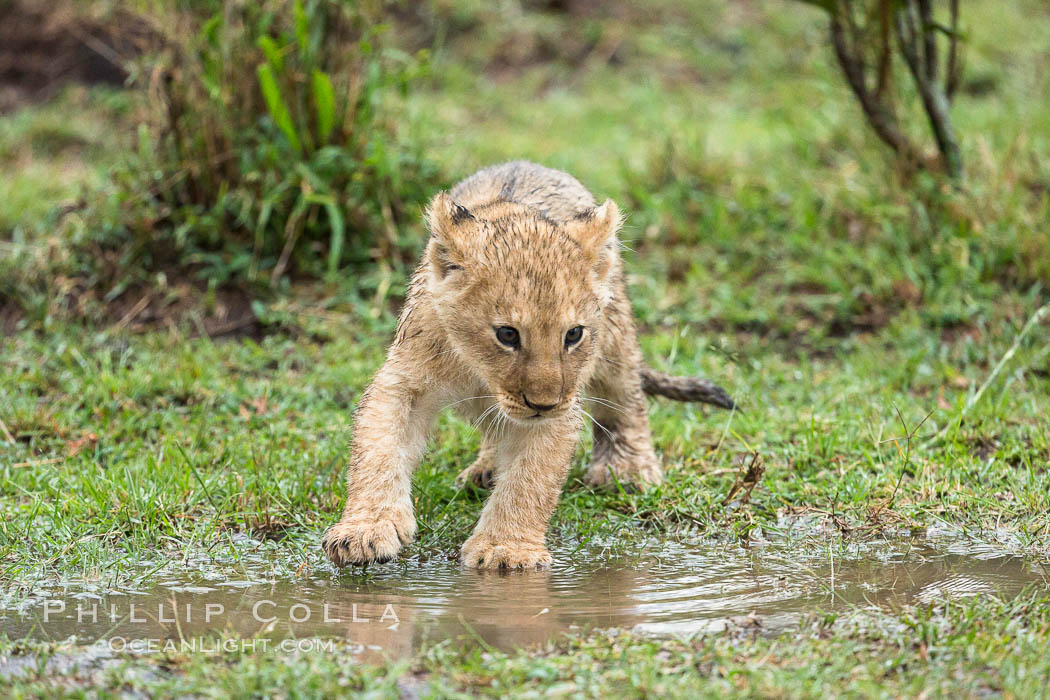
{"points": [[57, 157], [119, 438], [773, 248]]}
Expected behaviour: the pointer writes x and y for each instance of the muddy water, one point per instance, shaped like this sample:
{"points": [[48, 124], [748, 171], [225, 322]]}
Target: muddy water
{"points": [[659, 588]]}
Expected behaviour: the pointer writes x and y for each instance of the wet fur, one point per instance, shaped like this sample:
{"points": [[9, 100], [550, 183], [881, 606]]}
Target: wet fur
{"points": [[529, 247]]}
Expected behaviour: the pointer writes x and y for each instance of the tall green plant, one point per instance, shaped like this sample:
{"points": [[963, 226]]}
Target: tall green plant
{"points": [[268, 152]]}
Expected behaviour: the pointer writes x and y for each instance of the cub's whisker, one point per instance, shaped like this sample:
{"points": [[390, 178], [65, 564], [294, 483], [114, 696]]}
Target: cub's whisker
{"points": [[595, 421], [502, 419], [605, 402], [603, 358], [469, 398], [478, 421]]}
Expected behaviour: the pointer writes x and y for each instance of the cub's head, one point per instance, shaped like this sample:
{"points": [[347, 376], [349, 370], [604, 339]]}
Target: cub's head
{"points": [[521, 297]]}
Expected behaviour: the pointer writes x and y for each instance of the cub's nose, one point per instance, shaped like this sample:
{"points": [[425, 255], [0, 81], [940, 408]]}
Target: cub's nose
{"points": [[540, 407]]}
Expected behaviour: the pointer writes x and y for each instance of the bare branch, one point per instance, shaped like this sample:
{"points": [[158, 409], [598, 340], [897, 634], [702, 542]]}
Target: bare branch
{"points": [[954, 70], [885, 48], [865, 34], [907, 39], [929, 39], [934, 100], [878, 114]]}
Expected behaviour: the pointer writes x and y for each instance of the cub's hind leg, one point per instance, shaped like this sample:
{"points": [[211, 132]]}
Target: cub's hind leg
{"points": [[482, 473], [483, 414], [623, 444]]}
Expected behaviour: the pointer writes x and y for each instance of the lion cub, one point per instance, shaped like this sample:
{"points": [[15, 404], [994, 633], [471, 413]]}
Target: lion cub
{"points": [[517, 317]]}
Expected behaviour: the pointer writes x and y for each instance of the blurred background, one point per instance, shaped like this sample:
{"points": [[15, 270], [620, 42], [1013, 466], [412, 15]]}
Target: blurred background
{"points": [[800, 171]]}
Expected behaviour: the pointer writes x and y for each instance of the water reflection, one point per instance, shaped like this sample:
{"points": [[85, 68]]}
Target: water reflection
{"points": [[658, 588]]}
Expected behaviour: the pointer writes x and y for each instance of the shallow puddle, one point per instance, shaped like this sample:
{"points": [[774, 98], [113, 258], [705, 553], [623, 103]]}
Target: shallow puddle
{"points": [[662, 588]]}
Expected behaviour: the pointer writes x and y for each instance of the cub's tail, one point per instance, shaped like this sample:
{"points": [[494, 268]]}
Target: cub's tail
{"points": [[685, 388]]}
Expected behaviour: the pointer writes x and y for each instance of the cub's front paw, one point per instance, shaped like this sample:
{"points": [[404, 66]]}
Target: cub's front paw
{"points": [[485, 552], [361, 538]]}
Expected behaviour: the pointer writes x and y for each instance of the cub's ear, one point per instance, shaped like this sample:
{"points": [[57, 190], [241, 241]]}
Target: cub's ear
{"points": [[448, 223], [595, 230]]}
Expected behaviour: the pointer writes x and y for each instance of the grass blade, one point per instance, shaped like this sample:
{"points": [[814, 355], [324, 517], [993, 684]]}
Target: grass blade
{"points": [[324, 100], [276, 105], [335, 246]]}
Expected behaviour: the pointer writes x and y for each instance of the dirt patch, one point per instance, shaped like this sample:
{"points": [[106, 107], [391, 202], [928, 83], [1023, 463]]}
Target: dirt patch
{"points": [[224, 313], [44, 46], [10, 315], [189, 308]]}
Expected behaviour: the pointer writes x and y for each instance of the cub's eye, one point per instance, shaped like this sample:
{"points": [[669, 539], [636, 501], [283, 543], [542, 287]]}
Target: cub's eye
{"points": [[508, 336], [573, 336]]}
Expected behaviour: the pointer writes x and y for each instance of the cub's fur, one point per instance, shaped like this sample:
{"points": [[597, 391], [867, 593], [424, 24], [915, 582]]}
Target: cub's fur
{"points": [[517, 317]]}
